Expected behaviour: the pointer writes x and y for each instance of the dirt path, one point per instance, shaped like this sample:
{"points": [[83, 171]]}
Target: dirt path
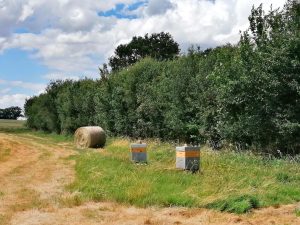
{"points": [[33, 177]]}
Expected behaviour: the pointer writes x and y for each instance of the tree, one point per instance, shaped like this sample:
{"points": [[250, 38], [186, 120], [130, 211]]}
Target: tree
{"points": [[11, 113], [160, 46], [258, 93], [103, 71]]}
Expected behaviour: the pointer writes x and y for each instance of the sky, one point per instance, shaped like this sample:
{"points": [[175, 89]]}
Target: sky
{"points": [[42, 40]]}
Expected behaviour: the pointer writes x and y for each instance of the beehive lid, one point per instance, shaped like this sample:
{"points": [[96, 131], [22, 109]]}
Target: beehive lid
{"points": [[187, 148], [143, 145]]}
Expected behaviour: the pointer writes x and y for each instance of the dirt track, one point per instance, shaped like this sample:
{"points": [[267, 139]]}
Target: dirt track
{"points": [[33, 177]]}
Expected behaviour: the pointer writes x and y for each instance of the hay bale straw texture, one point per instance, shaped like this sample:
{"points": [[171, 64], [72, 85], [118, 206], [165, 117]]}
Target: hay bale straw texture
{"points": [[90, 137]]}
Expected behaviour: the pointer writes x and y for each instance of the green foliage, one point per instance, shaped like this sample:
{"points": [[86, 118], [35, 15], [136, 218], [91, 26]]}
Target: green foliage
{"points": [[160, 46], [283, 177], [259, 85], [75, 105], [239, 205], [245, 95], [11, 113], [42, 111]]}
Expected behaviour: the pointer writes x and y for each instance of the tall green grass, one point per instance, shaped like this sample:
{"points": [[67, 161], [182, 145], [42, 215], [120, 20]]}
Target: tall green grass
{"points": [[228, 181]]}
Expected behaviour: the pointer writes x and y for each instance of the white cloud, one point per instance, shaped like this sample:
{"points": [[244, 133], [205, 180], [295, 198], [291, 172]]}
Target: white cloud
{"points": [[5, 90], [37, 15], [26, 12], [17, 99], [158, 7], [59, 76], [25, 85], [12, 100], [69, 36]]}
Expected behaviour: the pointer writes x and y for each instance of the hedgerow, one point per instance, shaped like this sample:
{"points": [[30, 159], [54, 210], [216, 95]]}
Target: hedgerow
{"points": [[247, 94]]}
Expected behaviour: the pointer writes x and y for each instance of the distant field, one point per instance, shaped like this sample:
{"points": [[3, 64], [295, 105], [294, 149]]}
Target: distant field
{"points": [[4, 124], [19, 127]]}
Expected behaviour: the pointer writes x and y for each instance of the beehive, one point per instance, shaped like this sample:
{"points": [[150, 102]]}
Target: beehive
{"points": [[188, 158], [139, 152]]}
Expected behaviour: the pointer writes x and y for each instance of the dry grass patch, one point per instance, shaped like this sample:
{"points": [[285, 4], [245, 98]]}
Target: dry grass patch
{"points": [[92, 214], [4, 154], [4, 219], [28, 199], [45, 155], [70, 200]]}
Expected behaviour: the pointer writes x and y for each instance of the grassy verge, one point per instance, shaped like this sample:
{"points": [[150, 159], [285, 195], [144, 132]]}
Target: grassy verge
{"points": [[228, 181]]}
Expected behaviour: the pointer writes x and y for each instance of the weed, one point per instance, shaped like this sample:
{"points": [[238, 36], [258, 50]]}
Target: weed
{"points": [[71, 200], [297, 212], [283, 177], [240, 204]]}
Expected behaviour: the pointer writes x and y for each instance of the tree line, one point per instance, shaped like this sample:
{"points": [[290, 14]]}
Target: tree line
{"points": [[246, 95], [11, 113]]}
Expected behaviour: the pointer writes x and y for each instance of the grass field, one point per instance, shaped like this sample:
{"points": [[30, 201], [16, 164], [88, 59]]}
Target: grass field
{"points": [[228, 181], [12, 124], [19, 127]]}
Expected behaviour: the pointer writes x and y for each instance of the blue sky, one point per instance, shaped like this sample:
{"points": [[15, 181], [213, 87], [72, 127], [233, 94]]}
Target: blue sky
{"points": [[17, 64], [122, 11], [45, 40]]}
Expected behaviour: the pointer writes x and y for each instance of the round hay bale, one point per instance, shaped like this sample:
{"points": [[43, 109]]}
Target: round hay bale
{"points": [[90, 137]]}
